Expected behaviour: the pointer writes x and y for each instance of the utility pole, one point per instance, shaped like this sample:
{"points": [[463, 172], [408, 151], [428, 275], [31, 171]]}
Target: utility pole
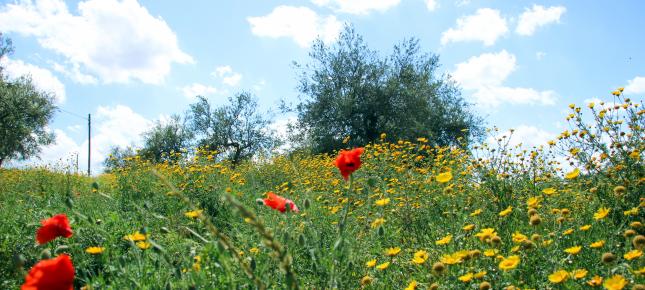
{"points": [[89, 143]]}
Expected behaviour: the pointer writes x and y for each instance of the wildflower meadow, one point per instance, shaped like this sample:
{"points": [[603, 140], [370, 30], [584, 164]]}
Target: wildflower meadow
{"points": [[387, 215]]}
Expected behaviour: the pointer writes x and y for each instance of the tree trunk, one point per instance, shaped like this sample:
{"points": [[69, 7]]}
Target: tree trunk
{"points": [[1, 160]]}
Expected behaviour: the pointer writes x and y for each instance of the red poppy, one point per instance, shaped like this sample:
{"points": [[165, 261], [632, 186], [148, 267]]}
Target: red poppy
{"points": [[56, 226], [348, 161], [279, 203], [52, 274]]}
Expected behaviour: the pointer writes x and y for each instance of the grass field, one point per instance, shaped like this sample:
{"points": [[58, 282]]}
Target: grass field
{"points": [[567, 215]]}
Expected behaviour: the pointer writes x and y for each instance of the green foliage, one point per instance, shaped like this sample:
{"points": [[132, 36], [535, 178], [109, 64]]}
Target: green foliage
{"points": [[24, 115], [118, 158], [164, 140], [349, 90], [237, 130]]}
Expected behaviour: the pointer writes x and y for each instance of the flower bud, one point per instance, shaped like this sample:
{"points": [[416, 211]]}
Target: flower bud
{"points": [[484, 286], [438, 267], [45, 254], [608, 258]]}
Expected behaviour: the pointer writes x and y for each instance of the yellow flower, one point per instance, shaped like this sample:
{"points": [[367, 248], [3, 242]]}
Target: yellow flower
{"points": [[640, 271], [466, 278], [390, 252], [481, 274], [573, 174], [633, 254], [597, 244], [601, 213], [558, 276], [143, 245], [578, 273], [567, 232], [549, 191], [506, 212], [135, 237], [519, 237], [254, 250], [468, 227], [444, 177], [573, 250], [444, 241], [420, 257], [383, 266], [476, 212], [633, 212], [533, 202], [616, 282], [595, 281], [490, 252], [193, 213], [485, 234], [377, 222], [94, 250], [370, 263], [509, 263], [451, 259], [585, 228], [383, 202], [412, 286]]}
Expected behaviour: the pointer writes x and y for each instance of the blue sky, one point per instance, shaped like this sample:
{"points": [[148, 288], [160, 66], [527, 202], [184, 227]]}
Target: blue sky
{"points": [[130, 63]]}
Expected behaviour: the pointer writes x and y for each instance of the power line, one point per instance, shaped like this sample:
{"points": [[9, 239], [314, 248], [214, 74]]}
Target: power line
{"points": [[71, 113], [89, 138]]}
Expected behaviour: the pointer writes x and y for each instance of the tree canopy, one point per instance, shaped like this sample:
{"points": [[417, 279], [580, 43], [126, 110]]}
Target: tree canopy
{"points": [[24, 115], [348, 90], [236, 130], [166, 138]]}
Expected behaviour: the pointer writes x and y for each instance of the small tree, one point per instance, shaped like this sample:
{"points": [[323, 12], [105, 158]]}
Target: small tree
{"points": [[163, 140], [237, 130], [24, 115], [348, 90], [118, 158]]}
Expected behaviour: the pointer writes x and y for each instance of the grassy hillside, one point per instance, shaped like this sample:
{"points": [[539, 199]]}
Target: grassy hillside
{"points": [[567, 215]]}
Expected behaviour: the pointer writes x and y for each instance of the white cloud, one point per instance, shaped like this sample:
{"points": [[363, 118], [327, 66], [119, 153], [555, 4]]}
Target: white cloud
{"points": [[115, 41], [432, 5], [495, 96], [73, 71], [488, 69], [197, 89], [111, 126], [221, 71], [540, 55], [635, 86], [228, 76], [232, 80], [42, 78], [527, 136], [538, 16], [486, 25], [484, 75], [361, 7], [281, 129], [301, 24], [259, 86]]}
